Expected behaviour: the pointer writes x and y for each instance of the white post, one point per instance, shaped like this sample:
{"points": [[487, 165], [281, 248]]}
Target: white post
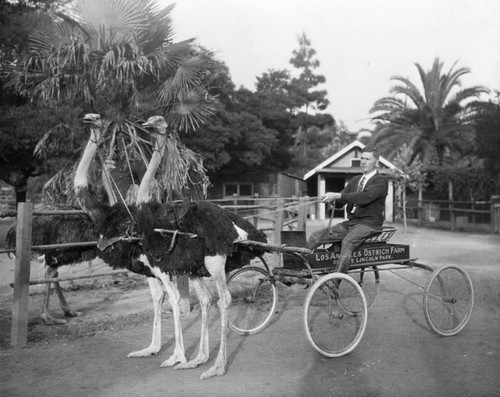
{"points": [[389, 203], [321, 192], [19, 329]]}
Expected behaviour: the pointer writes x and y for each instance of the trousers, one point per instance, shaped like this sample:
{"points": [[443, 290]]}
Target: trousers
{"points": [[352, 235]]}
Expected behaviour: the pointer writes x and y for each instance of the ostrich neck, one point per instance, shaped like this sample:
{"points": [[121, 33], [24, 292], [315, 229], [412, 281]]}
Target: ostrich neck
{"points": [[81, 183], [144, 193]]}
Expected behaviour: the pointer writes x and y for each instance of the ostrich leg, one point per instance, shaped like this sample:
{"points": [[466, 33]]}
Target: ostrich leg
{"points": [[47, 318], [174, 297], [62, 301], [158, 296], [216, 267], [205, 299]]}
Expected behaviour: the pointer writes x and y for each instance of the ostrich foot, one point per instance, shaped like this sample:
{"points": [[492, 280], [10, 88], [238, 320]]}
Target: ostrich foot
{"points": [[147, 352], [217, 370], [73, 314], [174, 359], [49, 320], [200, 359]]}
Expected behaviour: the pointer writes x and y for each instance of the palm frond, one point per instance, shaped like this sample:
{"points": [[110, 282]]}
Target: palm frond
{"points": [[182, 174], [57, 138]]}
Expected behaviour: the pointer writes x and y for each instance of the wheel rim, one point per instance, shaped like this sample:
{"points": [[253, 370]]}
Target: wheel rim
{"points": [[253, 300], [448, 300], [335, 321]]}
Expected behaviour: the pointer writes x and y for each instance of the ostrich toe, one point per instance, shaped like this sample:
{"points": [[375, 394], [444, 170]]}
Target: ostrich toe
{"points": [[174, 359], [216, 370], [49, 320]]}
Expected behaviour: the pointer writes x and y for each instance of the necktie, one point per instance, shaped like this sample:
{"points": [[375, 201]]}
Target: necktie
{"points": [[361, 184], [359, 189]]}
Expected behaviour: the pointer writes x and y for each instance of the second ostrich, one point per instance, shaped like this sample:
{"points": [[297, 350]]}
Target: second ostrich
{"points": [[211, 253]]}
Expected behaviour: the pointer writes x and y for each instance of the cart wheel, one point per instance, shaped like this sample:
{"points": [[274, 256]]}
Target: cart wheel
{"points": [[369, 280], [254, 297], [448, 300], [335, 316]]}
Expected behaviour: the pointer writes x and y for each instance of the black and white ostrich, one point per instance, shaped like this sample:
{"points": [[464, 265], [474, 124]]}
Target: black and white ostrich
{"points": [[58, 229], [119, 250], [211, 253]]}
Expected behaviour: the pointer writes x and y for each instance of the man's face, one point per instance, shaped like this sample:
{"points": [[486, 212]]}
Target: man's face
{"points": [[368, 162]]}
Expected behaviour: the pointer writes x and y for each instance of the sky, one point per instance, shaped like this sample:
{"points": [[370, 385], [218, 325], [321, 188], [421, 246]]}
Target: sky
{"points": [[360, 44]]}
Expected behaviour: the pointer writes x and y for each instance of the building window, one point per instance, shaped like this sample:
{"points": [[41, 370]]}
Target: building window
{"points": [[355, 162], [238, 189]]}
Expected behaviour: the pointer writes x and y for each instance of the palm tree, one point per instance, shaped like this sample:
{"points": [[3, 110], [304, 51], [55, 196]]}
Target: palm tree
{"points": [[431, 122], [117, 58]]}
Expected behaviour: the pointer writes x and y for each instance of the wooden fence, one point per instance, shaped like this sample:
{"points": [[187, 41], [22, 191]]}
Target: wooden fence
{"points": [[272, 215], [456, 215]]}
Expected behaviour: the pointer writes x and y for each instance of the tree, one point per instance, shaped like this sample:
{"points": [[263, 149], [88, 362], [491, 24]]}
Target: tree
{"points": [[22, 124], [304, 60], [233, 140], [303, 91], [116, 58], [429, 120], [408, 174], [487, 138], [22, 127]]}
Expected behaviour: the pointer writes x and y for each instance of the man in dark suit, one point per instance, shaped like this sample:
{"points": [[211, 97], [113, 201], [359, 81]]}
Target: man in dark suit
{"points": [[365, 197]]}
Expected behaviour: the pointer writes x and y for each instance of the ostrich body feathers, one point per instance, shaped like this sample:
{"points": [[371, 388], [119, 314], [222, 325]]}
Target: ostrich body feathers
{"points": [[180, 254]]}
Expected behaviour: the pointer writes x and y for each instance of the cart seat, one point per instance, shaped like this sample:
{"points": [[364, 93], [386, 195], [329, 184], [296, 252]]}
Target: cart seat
{"points": [[383, 235]]}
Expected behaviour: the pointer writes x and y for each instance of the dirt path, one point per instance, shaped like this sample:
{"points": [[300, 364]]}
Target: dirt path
{"points": [[398, 356]]}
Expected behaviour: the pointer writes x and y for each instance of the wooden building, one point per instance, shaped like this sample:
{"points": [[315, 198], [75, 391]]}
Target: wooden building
{"points": [[279, 184]]}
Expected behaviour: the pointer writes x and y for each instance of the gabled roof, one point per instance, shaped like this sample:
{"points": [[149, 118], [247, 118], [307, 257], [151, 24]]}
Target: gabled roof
{"points": [[339, 154]]}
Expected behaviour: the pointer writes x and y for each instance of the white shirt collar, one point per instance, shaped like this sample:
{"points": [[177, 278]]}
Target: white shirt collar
{"points": [[368, 176]]}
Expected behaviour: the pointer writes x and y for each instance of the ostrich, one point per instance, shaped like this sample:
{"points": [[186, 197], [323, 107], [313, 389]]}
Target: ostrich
{"points": [[120, 251], [211, 253], [56, 229]]}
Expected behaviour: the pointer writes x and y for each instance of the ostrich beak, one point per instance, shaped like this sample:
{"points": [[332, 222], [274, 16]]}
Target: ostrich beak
{"points": [[91, 118]]}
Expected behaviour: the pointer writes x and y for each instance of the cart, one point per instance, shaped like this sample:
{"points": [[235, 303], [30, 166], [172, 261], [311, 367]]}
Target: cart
{"points": [[336, 305]]}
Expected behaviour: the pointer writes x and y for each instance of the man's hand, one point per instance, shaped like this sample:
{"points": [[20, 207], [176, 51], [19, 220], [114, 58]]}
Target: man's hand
{"points": [[330, 196]]}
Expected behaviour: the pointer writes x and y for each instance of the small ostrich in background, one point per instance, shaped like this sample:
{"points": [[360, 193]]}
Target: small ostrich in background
{"points": [[57, 229], [211, 253]]}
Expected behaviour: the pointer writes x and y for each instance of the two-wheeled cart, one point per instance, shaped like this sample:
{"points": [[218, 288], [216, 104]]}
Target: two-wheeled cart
{"points": [[336, 305]]}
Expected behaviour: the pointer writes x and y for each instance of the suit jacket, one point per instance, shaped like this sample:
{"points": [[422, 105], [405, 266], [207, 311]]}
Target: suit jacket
{"points": [[370, 203]]}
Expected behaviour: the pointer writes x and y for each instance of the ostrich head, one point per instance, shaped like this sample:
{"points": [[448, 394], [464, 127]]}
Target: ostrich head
{"points": [[96, 124], [157, 122], [94, 119]]}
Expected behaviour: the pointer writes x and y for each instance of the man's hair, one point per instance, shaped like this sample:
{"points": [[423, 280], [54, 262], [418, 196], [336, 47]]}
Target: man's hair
{"points": [[372, 149]]}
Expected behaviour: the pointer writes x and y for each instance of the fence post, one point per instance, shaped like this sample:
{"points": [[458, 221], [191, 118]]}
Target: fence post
{"points": [[495, 214], [19, 330], [420, 212], [450, 206], [278, 220], [256, 215], [183, 287], [303, 208]]}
